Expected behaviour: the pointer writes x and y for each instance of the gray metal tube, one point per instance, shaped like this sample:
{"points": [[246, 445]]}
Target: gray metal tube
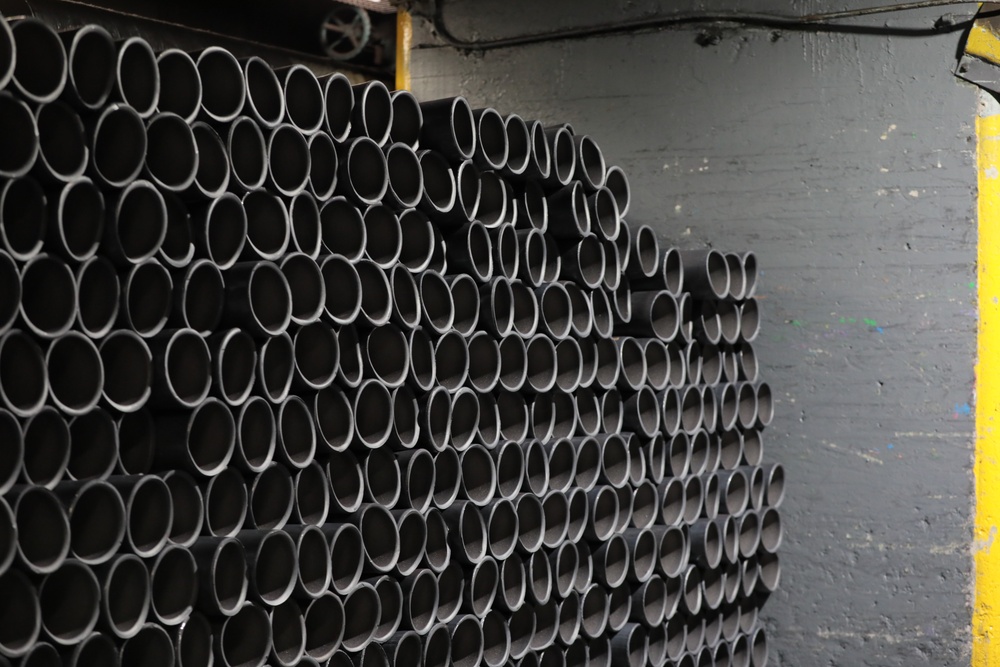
{"points": [[466, 300], [694, 499], [451, 586], [543, 417], [224, 85], [471, 249], [406, 179], [522, 630], [612, 560], [147, 296], [385, 353], [40, 75], [136, 80], [691, 587], [10, 282], [193, 642], [527, 312], [244, 638], [180, 83], [234, 357], [324, 627], [174, 585], [42, 529], [711, 495], [466, 641], [649, 602], [363, 174], [75, 372], [519, 151], [412, 540], [614, 460], [288, 633], [117, 146], [95, 649], [48, 296], [644, 259], [546, 625], [509, 461], [256, 435], [628, 646], [514, 417], [47, 447], [362, 611], [512, 587], [645, 504], [8, 536], [149, 512], [373, 112], [706, 273], [407, 119], [63, 160], [222, 575], [771, 531], [372, 408], [69, 600], [383, 236], [673, 551], [467, 532], [171, 153], [390, 595], [307, 286], [271, 565], [90, 59], [342, 230], [555, 506], [496, 640], [451, 361], [589, 416], [289, 161], [198, 298], [268, 226], [541, 373], [420, 602], [221, 230], [561, 454], [271, 498], [347, 552], [506, 251], [296, 434], [417, 479], [382, 479], [569, 621], [247, 155], [478, 479], [21, 140], [338, 97], [21, 617], [151, 646], [673, 500], [492, 149], [376, 294], [625, 500], [137, 224], [435, 427], [342, 287], [440, 190], [178, 248], [438, 307], [481, 588], [488, 428], [258, 299], [449, 126], [603, 515], [201, 441], [418, 240], [641, 413], [502, 529], [530, 522], [497, 313], [585, 262], [96, 515], [346, 482], [226, 503], [213, 172], [189, 508]]}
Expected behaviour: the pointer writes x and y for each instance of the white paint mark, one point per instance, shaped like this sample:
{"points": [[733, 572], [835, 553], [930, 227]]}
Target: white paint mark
{"points": [[883, 170], [913, 193], [991, 172], [677, 208]]}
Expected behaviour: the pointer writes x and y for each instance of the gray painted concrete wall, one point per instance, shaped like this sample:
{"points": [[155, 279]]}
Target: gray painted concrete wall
{"points": [[848, 164]]}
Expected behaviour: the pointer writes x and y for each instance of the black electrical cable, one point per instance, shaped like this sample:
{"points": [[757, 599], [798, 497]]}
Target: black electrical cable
{"points": [[818, 22]]}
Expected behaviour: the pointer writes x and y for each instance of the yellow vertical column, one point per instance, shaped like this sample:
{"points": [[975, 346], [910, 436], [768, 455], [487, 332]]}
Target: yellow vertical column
{"points": [[986, 547], [404, 42]]}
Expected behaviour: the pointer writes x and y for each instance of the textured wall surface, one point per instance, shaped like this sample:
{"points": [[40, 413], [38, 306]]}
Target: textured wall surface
{"points": [[847, 163]]}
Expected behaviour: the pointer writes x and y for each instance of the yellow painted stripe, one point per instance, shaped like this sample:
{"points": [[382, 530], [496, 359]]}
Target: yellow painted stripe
{"points": [[983, 42], [404, 42], [986, 613]]}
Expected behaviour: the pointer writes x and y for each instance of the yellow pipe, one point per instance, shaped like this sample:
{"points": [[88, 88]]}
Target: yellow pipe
{"points": [[404, 43]]}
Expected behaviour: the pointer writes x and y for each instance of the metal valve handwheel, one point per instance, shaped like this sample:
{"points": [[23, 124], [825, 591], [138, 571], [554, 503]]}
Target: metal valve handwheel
{"points": [[346, 32]]}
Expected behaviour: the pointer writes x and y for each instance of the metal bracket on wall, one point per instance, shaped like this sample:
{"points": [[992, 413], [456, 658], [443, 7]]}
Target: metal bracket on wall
{"points": [[980, 59]]}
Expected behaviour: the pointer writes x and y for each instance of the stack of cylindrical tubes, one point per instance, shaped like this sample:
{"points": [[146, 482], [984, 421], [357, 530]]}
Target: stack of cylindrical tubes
{"points": [[299, 372]]}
